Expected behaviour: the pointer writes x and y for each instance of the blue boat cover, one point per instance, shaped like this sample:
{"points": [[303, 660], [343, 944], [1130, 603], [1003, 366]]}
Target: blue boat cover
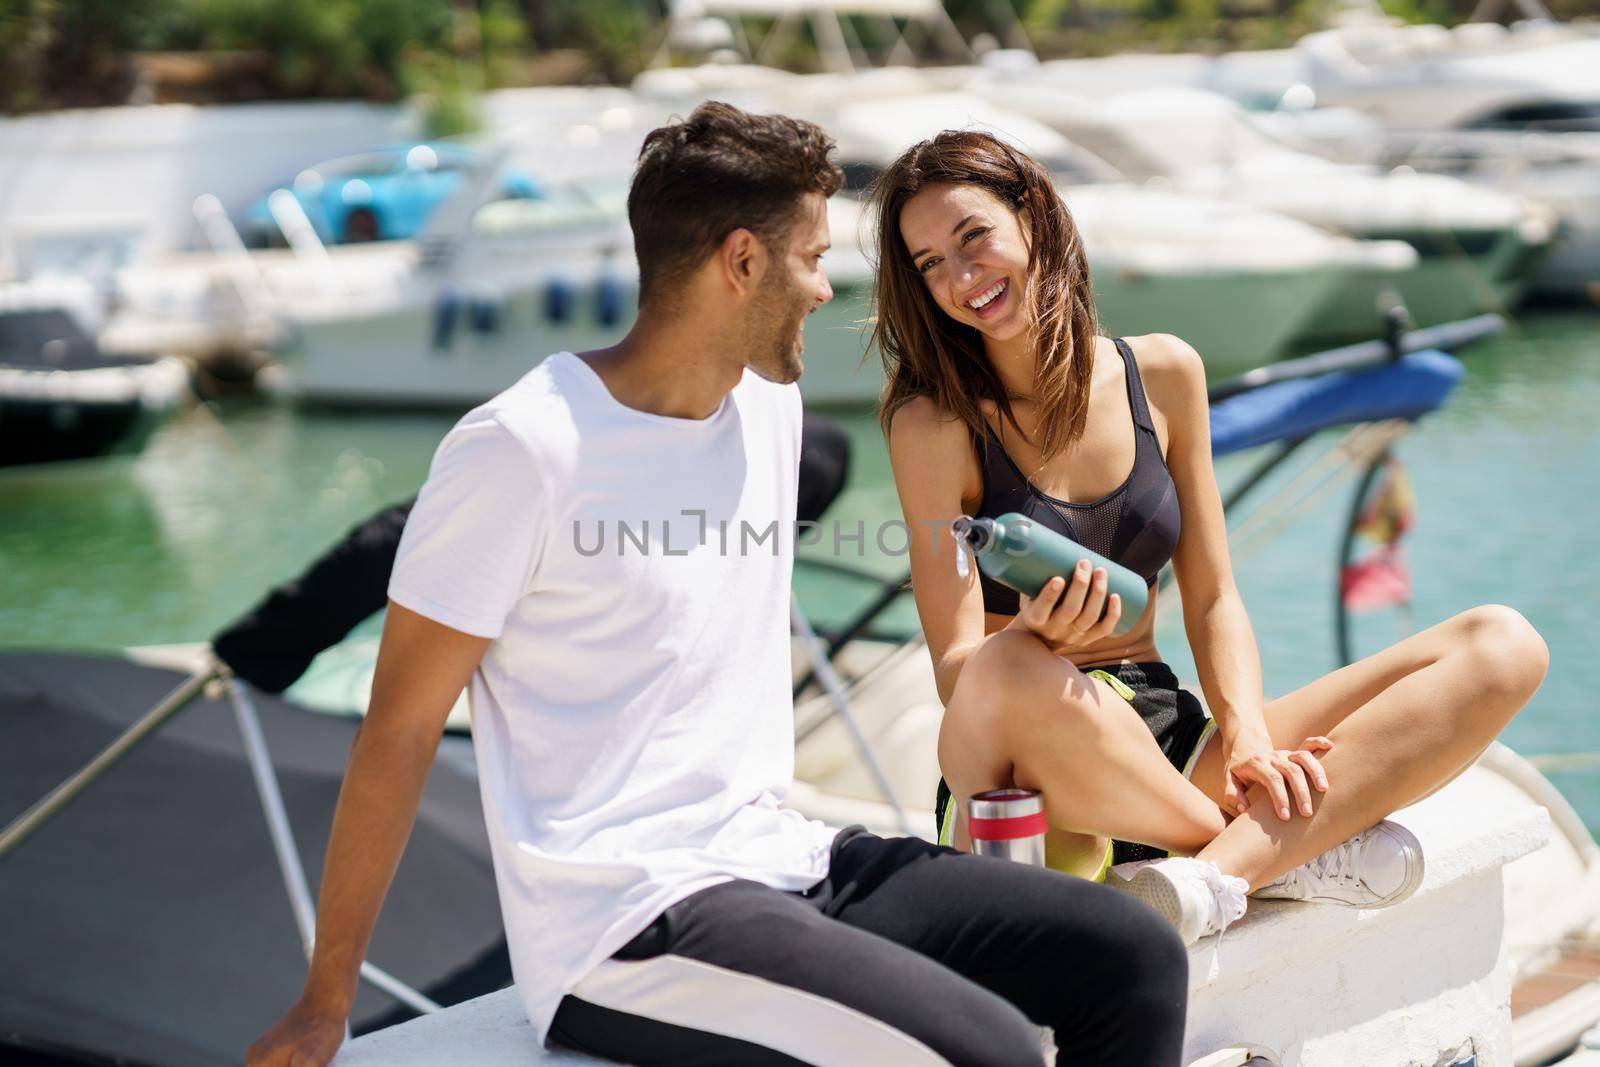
{"points": [[1414, 386]]}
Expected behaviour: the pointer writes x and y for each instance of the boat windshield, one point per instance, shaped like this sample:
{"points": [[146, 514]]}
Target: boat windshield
{"points": [[1554, 116]]}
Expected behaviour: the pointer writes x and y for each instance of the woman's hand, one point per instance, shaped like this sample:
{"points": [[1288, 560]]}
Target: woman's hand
{"points": [[1068, 615], [1251, 760]]}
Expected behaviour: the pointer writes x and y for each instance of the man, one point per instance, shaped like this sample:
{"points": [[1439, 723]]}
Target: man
{"points": [[603, 552]]}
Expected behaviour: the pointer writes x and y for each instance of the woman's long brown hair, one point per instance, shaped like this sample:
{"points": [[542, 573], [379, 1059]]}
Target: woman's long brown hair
{"points": [[927, 353]]}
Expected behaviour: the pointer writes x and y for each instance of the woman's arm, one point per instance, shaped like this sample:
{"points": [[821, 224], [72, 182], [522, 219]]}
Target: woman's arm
{"points": [[937, 476], [1214, 617], [935, 471], [1213, 612]]}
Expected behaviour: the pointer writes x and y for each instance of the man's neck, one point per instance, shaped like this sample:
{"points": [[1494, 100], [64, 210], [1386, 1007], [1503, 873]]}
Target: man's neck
{"points": [[668, 366]]}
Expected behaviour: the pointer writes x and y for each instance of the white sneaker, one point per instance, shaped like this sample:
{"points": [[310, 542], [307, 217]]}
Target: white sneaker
{"points": [[1373, 869], [1193, 895]]}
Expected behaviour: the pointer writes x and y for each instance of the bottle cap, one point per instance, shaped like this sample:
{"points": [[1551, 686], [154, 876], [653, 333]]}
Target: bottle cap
{"points": [[972, 535]]}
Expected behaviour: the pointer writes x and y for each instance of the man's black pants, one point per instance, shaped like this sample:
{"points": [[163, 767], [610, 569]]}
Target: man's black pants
{"points": [[906, 954]]}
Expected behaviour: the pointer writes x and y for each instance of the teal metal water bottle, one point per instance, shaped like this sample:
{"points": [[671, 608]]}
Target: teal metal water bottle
{"points": [[1018, 552]]}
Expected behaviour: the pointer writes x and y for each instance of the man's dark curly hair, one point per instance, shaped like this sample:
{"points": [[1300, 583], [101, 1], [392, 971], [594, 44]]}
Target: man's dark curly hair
{"points": [[720, 170]]}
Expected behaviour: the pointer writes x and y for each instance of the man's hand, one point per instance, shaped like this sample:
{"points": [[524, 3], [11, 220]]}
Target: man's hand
{"points": [[305, 1037]]}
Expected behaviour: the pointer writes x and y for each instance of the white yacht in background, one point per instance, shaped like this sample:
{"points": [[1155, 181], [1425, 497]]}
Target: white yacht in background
{"points": [[1516, 110], [1477, 247], [1512, 108], [1238, 282], [480, 305], [1535, 75], [1560, 170]]}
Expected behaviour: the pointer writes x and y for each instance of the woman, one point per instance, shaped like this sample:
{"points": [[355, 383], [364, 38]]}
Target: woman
{"points": [[1002, 397]]}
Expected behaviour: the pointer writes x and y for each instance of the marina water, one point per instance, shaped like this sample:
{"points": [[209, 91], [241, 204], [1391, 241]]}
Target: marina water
{"points": [[231, 498]]}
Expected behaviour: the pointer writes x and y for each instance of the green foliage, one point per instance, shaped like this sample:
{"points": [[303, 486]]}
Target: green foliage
{"points": [[61, 50], [80, 51], [327, 47], [55, 52], [447, 88], [24, 37], [612, 30]]}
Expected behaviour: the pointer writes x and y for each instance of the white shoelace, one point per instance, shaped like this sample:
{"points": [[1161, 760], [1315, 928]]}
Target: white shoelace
{"points": [[1227, 896], [1340, 865]]}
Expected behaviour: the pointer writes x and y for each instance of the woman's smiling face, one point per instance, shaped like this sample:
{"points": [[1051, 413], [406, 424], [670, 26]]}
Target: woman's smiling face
{"points": [[972, 252]]}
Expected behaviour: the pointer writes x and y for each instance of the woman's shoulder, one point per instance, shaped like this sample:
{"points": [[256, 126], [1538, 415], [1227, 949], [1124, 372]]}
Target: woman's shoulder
{"points": [[926, 439], [1173, 373], [1165, 355], [921, 421]]}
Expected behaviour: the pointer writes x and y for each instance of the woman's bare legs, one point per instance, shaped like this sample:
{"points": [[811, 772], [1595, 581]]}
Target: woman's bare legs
{"points": [[1404, 722], [1021, 715]]}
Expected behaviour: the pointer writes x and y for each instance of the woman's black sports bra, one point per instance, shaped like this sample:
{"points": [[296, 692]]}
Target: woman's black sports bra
{"points": [[1136, 524]]}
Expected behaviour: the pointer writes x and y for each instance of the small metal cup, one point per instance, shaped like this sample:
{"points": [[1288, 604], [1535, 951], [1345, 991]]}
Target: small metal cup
{"points": [[1009, 823]]}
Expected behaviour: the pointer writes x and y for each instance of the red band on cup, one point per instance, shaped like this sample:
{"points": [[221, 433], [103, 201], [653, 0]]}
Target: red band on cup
{"points": [[1008, 829]]}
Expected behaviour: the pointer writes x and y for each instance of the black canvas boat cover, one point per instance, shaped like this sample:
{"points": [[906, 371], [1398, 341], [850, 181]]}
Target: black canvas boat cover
{"points": [[49, 339], [147, 922]]}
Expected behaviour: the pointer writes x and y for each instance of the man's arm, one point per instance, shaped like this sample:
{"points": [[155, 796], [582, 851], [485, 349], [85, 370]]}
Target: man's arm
{"points": [[422, 668]]}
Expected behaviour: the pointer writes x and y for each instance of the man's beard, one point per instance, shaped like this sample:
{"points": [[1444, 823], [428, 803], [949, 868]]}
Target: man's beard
{"points": [[772, 331]]}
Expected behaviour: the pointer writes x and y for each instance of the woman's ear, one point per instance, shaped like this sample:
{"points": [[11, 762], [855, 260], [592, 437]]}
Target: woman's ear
{"points": [[1025, 220]]}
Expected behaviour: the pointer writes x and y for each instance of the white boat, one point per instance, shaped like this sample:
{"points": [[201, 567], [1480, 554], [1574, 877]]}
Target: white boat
{"points": [[61, 396], [1537, 75], [1558, 169], [1238, 282], [1510, 108], [1475, 248], [481, 306], [1409, 76], [1516, 110]]}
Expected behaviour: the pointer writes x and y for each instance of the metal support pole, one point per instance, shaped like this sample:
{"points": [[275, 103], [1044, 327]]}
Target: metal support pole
{"points": [[382, 980], [58, 798], [294, 875], [887, 595], [266, 779], [836, 693]]}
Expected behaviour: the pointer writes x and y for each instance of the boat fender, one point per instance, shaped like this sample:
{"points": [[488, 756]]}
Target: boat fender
{"points": [[609, 300], [445, 313], [1244, 1055], [559, 298], [484, 313]]}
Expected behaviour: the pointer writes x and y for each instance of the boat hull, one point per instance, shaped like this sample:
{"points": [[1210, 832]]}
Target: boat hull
{"points": [[405, 356], [42, 431], [1236, 321], [45, 417], [1445, 286]]}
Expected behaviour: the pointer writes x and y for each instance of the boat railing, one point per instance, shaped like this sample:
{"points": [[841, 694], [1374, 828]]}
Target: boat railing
{"points": [[242, 272], [291, 218]]}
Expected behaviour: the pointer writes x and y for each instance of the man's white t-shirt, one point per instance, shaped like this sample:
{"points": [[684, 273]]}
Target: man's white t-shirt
{"points": [[632, 719]]}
